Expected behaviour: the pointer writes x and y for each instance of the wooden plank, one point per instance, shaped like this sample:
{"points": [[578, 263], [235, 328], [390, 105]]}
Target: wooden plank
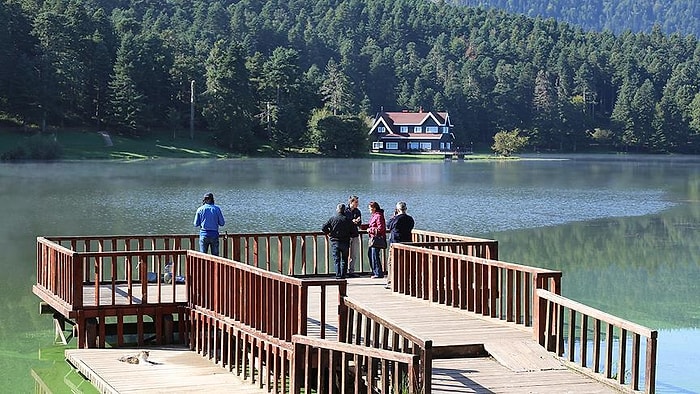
{"points": [[175, 369]]}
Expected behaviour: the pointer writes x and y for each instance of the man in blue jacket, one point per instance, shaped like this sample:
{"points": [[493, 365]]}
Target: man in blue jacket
{"points": [[208, 218]]}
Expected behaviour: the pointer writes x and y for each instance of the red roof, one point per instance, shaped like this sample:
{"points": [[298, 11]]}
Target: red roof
{"points": [[414, 118], [394, 120]]}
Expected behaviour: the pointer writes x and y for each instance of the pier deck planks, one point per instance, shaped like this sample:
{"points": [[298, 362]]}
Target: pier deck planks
{"points": [[178, 370]]}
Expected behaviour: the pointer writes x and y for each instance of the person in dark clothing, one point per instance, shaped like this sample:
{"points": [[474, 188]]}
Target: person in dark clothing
{"points": [[339, 228], [354, 214], [400, 227]]}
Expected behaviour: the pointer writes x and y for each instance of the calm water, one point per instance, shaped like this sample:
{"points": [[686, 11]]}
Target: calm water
{"points": [[624, 230]]}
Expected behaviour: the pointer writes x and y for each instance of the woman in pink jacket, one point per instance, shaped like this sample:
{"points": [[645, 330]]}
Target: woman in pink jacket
{"points": [[376, 228]]}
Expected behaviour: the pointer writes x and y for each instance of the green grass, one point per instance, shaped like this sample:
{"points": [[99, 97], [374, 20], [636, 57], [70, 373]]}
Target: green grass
{"points": [[87, 145], [80, 144], [58, 376]]}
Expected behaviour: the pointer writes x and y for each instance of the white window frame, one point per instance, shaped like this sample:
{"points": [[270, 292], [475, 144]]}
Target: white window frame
{"points": [[404, 129], [431, 129], [417, 129], [381, 129], [376, 145], [445, 130], [392, 146], [426, 146]]}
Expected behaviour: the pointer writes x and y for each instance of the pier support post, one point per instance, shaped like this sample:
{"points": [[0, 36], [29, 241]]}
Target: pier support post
{"points": [[91, 333], [168, 329]]}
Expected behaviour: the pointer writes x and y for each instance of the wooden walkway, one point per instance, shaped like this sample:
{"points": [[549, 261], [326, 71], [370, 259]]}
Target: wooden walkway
{"points": [[174, 370], [516, 363]]}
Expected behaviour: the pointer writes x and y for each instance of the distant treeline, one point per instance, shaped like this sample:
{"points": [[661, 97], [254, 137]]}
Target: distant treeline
{"points": [[672, 16], [274, 70]]}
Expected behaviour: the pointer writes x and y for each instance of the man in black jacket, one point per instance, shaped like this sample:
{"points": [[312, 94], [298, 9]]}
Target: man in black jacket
{"points": [[339, 228], [400, 229]]}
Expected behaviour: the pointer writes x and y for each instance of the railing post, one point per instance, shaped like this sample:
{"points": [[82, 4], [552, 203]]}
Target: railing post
{"points": [[342, 311], [539, 316], [650, 368], [302, 311], [427, 367], [77, 281]]}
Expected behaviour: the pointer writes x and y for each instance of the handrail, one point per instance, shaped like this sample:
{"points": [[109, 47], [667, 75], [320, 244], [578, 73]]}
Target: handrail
{"points": [[472, 246], [58, 273], [491, 288], [272, 303], [385, 371], [364, 327], [553, 336], [252, 355]]}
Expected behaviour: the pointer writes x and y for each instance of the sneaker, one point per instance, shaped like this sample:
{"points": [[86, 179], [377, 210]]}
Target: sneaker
{"points": [[374, 277]]}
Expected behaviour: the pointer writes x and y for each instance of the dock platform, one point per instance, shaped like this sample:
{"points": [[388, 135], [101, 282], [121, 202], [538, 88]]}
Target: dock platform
{"points": [[269, 316], [173, 370]]}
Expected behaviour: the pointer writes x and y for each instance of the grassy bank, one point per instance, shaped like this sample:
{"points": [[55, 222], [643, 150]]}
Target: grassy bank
{"points": [[80, 145], [91, 145]]}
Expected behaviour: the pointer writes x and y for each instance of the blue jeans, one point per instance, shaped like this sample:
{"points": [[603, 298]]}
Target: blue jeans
{"points": [[340, 251], [209, 243], [375, 261]]}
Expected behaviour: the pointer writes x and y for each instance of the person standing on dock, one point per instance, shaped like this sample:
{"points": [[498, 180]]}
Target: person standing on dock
{"points": [[376, 229], [209, 218], [339, 229], [354, 214], [400, 229]]}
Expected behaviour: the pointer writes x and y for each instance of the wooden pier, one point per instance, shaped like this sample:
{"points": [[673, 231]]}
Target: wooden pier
{"points": [[269, 314]]}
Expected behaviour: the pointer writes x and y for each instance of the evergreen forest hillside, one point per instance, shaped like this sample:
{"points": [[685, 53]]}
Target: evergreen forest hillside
{"points": [[671, 16], [310, 73]]}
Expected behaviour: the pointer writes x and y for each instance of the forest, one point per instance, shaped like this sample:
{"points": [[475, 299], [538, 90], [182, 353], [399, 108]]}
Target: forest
{"points": [[310, 73], [672, 16]]}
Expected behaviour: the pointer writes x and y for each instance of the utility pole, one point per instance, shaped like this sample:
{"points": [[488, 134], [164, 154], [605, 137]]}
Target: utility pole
{"points": [[192, 109]]}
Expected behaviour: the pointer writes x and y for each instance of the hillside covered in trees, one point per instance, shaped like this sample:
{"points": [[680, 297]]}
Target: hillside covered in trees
{"points": [[308, 72], [671, 16]]}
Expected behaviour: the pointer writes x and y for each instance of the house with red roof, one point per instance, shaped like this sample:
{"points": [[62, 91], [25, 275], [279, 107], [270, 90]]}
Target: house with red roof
{"points": [[412, 132]]}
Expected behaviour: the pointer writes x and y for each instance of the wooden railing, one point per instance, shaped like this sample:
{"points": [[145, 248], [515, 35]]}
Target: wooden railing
{"points": [[253, 328], [299, 253], [106, 243], [566, 328], [368, 329], [117, 277], [254, 356], [479, 247], [59, 274], [269, 302], [333, 367], [254, 307], [488, 287]]}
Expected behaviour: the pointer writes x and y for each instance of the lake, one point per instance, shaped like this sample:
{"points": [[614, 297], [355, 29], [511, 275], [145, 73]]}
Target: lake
{"points": [[625, 230]]}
